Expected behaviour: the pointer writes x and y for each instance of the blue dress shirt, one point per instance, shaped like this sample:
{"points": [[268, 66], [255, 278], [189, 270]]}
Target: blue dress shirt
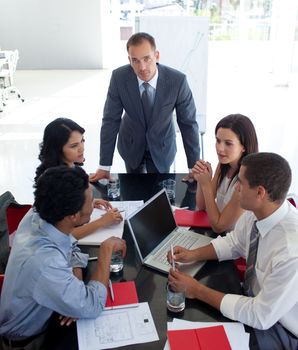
{"points": [[39, 280]]}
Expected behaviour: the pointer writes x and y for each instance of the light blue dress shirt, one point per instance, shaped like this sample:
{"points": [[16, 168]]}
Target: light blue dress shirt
{"points": [[39, 280], [151, 88]]}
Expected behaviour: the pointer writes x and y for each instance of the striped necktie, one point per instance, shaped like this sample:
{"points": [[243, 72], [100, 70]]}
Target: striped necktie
{"points": [[146, 102], [251, 261]]}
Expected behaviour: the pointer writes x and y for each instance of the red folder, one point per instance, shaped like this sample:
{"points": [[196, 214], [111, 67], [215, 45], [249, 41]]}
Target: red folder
{"points": [[191, 218], [125, 293], [209, 338]]}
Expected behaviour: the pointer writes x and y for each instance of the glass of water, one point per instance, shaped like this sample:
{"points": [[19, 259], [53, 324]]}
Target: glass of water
{"points": [[113, 187], [116, 264], [170, 186], [175, 298]]}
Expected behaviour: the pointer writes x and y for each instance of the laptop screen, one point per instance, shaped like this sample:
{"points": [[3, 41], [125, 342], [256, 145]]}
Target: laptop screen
{"points": [[152, 223]]}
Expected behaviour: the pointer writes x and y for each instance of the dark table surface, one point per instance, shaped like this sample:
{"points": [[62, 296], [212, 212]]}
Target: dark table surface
{"points": [[151, 284], [144, 186]]}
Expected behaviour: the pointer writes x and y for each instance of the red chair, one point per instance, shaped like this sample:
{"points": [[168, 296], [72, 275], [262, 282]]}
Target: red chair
{"points": [[240, 265], [14, 214], [293, 199], [1, 282]]}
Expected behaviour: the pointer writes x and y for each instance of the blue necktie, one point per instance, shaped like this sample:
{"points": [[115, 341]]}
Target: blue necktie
{"points": [[147, 103], [251, 261]]}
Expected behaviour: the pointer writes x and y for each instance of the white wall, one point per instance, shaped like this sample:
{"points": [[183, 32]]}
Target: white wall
{"points": [[284, 18], [183, 44], [54, 34]]}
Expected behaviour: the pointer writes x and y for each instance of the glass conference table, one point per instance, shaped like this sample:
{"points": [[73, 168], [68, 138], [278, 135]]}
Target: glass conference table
{"points": [[151, 284]]}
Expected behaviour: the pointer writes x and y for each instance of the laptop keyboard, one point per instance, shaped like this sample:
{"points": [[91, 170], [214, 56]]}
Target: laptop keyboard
{"points": [[182, 239]]}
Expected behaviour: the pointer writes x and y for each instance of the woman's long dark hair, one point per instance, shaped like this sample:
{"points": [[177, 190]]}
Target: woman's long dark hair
{"points": [[56, 135], [246, 133]]}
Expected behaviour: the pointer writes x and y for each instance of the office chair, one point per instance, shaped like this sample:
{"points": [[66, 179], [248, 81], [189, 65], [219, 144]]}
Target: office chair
{"points": [[1, 282], [293, 199], [14, 214], [8, 67], [240, 265]]}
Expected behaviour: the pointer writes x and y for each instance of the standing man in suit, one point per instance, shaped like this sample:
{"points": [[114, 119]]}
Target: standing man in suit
{"points": [[148, 93]]}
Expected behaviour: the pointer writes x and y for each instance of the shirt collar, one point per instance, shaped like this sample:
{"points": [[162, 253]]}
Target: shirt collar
{"points": [[62, 240], [264, 226], [152, 82]]}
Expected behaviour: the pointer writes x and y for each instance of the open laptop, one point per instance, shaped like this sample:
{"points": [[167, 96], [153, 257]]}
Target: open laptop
{"points": [[154, 229]]}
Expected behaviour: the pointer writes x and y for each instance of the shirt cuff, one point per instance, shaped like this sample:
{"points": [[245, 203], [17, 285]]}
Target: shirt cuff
{"points": [[228, 305], [104, 167], [101, 290], [221, 248], [79, 259]]}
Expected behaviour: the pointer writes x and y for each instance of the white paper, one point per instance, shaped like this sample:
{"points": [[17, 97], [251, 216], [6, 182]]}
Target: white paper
{"points": [[238, 338], [103, 233], [178, 208], [129, 207], [114, 328]]}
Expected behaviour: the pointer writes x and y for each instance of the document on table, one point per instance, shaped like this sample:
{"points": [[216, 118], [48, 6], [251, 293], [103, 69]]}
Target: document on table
{"points": [[101, 234], [128, 207], [238, 338], [114, 328]]}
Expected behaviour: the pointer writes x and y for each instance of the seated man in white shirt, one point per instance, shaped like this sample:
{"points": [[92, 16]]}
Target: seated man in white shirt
{"points": [[40, 275], [270, 304]]}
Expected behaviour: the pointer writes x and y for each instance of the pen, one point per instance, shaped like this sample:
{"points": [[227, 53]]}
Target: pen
{"points": [[92, 258], [128, 306], [111, 290], [173, 262], [109, 209]]}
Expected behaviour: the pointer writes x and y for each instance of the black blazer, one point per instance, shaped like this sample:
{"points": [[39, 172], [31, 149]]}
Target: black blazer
{"points": [[172, 93]]}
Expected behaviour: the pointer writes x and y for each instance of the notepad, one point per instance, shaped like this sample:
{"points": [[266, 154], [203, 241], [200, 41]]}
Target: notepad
{"points": [[192, 218], [125, 293], [209, 338], [103, 233]]}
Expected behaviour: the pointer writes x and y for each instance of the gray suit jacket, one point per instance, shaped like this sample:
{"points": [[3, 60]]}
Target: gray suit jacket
{"points": [[172, 92]]}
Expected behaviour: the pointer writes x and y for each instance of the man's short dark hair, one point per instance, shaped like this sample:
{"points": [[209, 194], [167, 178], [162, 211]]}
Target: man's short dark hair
{"points": [[138, 38], [59, 192], [269, 170]]}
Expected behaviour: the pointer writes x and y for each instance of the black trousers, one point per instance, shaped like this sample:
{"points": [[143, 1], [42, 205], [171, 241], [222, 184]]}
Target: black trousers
{"points": [[147, 166], [275, 338]]}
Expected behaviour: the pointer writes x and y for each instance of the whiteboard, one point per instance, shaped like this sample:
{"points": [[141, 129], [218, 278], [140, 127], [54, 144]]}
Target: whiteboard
{"points": [[183, 44]]}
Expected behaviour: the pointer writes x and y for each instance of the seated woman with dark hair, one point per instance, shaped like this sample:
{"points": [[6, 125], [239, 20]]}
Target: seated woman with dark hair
{"points": [[63, 144], [235, 137]]}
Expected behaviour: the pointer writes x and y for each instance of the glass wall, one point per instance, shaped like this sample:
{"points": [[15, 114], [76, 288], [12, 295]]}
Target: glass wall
{"points": [[237, 19], [228, 19]]}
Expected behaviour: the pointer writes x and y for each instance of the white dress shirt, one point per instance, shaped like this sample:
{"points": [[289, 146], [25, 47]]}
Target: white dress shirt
{"points": [[152, 86], [224, 194], [276, 285]]}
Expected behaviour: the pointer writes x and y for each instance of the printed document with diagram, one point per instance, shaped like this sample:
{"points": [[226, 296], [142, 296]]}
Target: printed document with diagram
{"points": [[114, 328]]}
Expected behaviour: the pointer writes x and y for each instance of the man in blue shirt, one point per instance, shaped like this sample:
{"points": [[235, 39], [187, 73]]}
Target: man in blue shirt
{"points": [[43, 271]]}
